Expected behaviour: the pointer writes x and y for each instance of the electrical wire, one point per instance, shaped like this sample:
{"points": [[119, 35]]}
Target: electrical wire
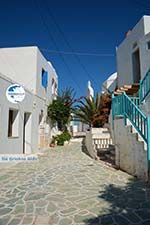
{"points": [[68, 43], [55, 44], [78, 53]]}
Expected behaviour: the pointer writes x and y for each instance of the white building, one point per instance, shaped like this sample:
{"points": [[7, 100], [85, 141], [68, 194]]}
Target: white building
{"points": [[24, 126], [90, 90], [133, 54], [110, 84], [131, 126]]}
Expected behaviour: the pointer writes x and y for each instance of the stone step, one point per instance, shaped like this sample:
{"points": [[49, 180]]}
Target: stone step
{"points": [[107, 156], [112, 152], [111, 147], [103, 158], [117, 93], [109, 151], [127, 86], [108, 159], [131, 130], [123, 89], [129, 89]]}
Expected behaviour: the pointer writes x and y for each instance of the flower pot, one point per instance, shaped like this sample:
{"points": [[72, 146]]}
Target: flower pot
{"points": [[52, 145]]}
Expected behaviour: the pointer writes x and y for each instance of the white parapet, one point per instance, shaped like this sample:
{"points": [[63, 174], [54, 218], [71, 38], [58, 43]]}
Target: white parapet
{"points": [[97, 138]]}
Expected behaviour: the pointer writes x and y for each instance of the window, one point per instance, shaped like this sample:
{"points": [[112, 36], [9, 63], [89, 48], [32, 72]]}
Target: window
{"points": [[44, 78], [148, 45], [13, 123]]}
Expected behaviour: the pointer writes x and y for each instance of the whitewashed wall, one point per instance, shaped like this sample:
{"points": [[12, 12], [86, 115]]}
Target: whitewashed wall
{"points": [[138, 37], [13, 144], [130, 153], [97, 137], [24, 66]]}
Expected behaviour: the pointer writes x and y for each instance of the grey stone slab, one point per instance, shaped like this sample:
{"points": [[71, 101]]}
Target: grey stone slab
{"points": [[51, 207], [29, 208], [42, 220], [53, 219], [19, 209], [132, 217], [67, 187], [14, 221], [121, 220], [143, 213], [27, 220], [40, 211], [106, 220], [83, 218], [69, 211], [65, 221], [4, 220], [145, 222], [4, 211], [35, 196]]}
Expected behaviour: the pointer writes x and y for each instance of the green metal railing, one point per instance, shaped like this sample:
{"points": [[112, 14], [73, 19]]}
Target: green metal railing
{"points": [[127, 107], [144, 87], [136, 116], [118, 101], [117, 106], [136, 100]]}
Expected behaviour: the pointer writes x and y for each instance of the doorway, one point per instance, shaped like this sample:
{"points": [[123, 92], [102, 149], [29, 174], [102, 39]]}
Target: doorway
{"points": [[136, 66], [27, 133], [41, 130]]}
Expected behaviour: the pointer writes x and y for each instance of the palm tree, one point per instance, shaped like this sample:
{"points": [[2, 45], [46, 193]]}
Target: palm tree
{"points": [[89, 111]]}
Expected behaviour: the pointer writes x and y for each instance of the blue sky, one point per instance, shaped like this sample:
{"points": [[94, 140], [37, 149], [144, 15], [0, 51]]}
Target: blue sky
{"points": [[80, 26]]}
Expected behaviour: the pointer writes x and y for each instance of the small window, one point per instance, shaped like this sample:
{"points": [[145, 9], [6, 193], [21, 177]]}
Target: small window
{"points": [[148, 45], [13, 123], [44, 78]]}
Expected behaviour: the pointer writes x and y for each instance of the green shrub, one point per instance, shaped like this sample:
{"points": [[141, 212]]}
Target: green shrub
{"points": [[65, 136]]}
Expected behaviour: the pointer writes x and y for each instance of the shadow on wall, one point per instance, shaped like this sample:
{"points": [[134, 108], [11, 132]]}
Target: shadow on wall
{"points": [[84, 148], [129, 205]]}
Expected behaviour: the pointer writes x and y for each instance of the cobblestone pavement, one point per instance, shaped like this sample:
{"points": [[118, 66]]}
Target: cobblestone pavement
{"points": [[67, 187]]}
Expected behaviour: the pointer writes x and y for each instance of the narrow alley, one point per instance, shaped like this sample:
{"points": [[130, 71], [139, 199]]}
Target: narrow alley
{"points": [[67, 187]]}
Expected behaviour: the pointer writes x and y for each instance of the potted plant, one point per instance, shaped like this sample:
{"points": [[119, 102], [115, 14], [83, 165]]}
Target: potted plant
{"points": [[53, 142]]}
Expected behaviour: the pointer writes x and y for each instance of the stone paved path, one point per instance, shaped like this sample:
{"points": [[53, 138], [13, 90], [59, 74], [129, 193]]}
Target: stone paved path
{"points": [[67, 187]]}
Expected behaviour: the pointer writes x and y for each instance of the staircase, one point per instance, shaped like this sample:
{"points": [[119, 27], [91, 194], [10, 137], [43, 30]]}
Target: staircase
{"points": [[128, 89], [103, 147], [107, 154], [129, 108]]}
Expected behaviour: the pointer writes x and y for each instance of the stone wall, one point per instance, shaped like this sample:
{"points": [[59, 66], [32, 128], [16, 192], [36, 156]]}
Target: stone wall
{"points": [[89, 145], [101, 135], [130, 153]]}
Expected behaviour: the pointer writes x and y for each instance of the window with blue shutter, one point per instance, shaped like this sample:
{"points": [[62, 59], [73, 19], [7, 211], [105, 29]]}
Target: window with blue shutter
{"points": [[44, 78]]}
